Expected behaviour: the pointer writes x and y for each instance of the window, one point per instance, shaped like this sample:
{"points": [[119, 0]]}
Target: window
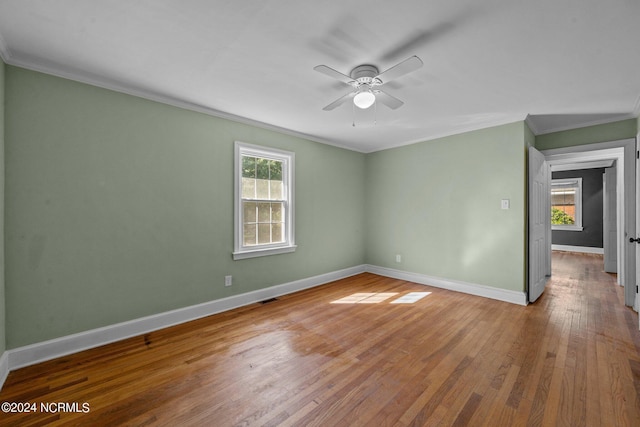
{"points": [[263, 201], [566, 204]]}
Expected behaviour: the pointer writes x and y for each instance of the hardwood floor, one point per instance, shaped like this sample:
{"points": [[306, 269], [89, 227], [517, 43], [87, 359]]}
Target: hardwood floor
{"points": [[572, 358]]}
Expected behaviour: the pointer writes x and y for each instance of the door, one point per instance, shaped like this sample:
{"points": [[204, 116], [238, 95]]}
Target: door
{"points": [[539, 223], [610, 219], [636, 302]]}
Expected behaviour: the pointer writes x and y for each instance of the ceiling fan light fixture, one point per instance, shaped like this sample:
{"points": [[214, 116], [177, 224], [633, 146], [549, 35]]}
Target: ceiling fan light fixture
{"points": [[365, 81], [364, 99]]}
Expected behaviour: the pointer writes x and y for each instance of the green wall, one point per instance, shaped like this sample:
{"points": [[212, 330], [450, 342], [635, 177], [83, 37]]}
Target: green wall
{"points": [[2, 291], [588, 135], [118, 207], [437, 204]]}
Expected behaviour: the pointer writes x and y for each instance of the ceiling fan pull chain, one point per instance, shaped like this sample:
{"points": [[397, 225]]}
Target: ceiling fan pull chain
{"points": [[353, 114], [375, 113]]}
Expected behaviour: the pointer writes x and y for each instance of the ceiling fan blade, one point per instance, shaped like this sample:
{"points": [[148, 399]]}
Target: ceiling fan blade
{"points": [[398, 70], [388, 100], [338, 102], [333, 73]]}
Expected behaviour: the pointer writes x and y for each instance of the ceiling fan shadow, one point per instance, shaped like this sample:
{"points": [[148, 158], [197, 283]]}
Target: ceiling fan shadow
{"points": [[419, 38], [345, 40]]}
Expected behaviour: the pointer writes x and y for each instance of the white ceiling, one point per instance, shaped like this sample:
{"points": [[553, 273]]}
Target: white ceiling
{"points": [[565, 63]]}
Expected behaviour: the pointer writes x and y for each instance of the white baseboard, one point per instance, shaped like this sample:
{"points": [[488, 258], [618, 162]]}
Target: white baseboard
{"points": [[580, 249], [4, 368], [514, 297], [39, 352], [47, 350]]}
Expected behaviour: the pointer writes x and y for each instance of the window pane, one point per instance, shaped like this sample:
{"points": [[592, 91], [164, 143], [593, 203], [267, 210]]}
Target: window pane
{"points": [[250, 212], [276, 212], [564, 199], [276, 190], [262, 189], [249, 234], [563, 196], [248, 167], [276, 170], [563, 215], [264, 212], [262, 168], [276, 233], [264, 233], [248, 188]]}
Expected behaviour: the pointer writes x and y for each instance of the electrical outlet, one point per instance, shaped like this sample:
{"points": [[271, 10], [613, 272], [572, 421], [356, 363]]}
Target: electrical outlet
{"points": [[228, 280], [398, 258]]}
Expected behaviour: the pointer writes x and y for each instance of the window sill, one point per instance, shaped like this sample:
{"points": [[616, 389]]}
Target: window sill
{"points": [[254, 253], [567, 227]]}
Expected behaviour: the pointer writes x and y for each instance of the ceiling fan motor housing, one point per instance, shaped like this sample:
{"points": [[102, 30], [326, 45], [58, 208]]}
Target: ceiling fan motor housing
{"points": [[365, 74]]}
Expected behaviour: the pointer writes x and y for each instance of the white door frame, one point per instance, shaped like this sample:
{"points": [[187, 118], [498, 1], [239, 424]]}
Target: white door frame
{"points": [[624, 151], [610, 219]]}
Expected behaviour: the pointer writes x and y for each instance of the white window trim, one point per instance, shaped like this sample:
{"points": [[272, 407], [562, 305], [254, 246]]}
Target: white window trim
{"points": [[288, 178], [578, 224]]}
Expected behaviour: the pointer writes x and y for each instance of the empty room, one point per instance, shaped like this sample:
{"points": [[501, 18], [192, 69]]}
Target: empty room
{"points": [[319, 213]]}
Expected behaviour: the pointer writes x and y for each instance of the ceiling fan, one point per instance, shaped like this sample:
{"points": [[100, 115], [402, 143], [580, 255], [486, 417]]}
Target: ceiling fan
{"points": [[366, 81]]}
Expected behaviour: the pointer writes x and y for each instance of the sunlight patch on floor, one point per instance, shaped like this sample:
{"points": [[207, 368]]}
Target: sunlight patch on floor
{"points": [[378, 297], [410, 298], [365, 298]]}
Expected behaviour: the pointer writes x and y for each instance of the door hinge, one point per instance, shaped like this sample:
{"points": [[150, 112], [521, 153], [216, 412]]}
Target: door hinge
{"points": [[637, 154]]}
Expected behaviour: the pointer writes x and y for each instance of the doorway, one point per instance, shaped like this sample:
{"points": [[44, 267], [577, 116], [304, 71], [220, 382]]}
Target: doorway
{"points": [[584, 210], [623, 152]]}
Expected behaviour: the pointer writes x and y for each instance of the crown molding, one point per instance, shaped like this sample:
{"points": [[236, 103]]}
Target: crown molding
{"points": [[156, 97], [5, 53], [9, 58], [459, 130], [595, 122], [532, 126]]}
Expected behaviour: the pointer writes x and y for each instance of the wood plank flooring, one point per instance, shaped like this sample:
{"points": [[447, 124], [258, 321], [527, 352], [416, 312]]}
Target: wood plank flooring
{"points": [[570, 359]]}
